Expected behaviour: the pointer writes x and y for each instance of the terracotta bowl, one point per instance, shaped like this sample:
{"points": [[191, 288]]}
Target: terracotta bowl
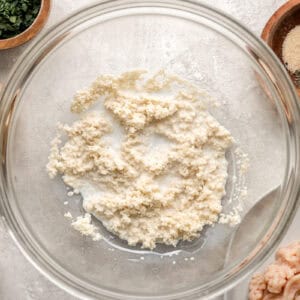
{"points": [[278, 26], [31, 31]]}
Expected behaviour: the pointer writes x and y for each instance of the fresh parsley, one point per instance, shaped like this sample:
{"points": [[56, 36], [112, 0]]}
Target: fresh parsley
{"points": [[16, 16]]}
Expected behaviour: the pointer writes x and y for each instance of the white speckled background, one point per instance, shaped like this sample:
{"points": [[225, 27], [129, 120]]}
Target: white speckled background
{"points": [[18, 279]]}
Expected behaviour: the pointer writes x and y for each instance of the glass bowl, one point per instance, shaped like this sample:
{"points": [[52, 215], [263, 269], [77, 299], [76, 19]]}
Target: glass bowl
{"points": [[258, 104]]}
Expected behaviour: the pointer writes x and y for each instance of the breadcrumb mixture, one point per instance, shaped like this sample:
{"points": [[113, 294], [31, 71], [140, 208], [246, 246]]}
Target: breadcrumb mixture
{"points": [[85, 226], [148, 192], [280, 280]]}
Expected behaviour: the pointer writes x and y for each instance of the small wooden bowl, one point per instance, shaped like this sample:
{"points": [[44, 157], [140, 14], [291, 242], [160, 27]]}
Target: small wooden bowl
{"points": [[279, 25], [31, 31]]}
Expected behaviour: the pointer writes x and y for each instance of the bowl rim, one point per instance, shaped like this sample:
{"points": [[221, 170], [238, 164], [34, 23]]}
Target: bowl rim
{"points": [[31, 31], [56, 273]]}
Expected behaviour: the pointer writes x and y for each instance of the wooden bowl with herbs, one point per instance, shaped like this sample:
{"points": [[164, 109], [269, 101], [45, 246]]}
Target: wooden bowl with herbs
{"points": [[21, 20]]}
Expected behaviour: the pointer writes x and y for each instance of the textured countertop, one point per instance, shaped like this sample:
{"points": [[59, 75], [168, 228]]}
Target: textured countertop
{"points": [[20, 280]]}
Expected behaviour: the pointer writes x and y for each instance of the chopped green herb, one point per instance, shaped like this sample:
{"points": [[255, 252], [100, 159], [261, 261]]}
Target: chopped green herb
{"points": [[16, 16]]}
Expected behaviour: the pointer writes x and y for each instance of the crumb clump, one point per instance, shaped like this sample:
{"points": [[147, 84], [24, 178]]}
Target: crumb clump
{"points": [[145, 194], [84, 225], [68, 215]]}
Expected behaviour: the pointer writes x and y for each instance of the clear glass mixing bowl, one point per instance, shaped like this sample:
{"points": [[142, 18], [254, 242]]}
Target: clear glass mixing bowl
{"points": [[258, 105]]}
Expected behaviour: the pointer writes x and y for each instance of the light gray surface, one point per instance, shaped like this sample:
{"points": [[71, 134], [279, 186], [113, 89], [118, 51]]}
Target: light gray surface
{"points": [[19, 279]]}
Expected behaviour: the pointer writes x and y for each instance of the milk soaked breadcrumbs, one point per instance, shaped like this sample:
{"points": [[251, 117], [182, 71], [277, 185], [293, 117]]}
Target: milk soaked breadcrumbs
{"points": [[145, 194]]}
